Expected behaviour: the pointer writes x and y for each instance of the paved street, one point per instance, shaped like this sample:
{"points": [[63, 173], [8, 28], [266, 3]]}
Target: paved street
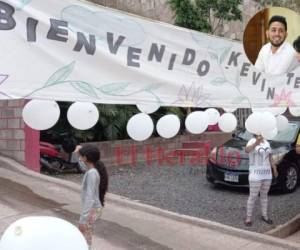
{"points": [[125, 224], [184, 190]]}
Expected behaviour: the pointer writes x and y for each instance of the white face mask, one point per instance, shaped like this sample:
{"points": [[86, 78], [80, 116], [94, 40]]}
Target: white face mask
{"points": [[82, 165]]}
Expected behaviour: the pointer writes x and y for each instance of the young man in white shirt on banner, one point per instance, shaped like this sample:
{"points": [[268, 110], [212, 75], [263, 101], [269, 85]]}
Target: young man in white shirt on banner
{"points": [[276, 57]]}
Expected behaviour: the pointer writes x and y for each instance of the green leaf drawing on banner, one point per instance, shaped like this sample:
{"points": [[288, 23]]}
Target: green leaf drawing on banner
{"points": [[213, 55], [61, 74], [22, 4], [114, 88], [218, 81], [84, 88], [224, 54], [238, 99], [157, 99]]}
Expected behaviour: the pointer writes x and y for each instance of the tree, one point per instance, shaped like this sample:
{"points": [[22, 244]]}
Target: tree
{"points": [[186, 15], [205, 15]]}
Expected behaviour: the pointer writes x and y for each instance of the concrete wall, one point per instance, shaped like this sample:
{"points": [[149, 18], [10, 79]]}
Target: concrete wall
{"points": [[16, 139], [12, 135], [154, 9], [160, 10], [21, 143], [157, 150]]}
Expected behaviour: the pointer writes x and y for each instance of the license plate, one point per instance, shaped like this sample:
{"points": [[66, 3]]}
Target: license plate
{"points": [[231, 177]]}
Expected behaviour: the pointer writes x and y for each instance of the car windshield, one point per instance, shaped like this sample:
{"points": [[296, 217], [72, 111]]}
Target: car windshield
{"points": [[287, 135]]}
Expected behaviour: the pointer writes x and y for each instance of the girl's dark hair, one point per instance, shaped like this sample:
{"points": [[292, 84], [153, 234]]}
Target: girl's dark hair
{"points": [[92, 155], [297, 44]]}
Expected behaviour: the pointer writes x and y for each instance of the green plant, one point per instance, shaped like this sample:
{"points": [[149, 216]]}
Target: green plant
{"points": [[111, 124], [113, 120], [203, 15], [186, 15]]}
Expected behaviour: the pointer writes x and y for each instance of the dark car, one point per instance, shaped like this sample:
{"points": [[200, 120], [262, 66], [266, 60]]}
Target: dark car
{"points": [[228, 164]]}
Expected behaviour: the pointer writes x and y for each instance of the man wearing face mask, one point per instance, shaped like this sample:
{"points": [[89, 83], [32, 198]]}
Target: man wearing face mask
{"points": [[276, 57]]}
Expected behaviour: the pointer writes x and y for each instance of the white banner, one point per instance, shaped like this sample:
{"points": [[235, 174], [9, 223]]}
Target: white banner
{"points": [[76, 51]]}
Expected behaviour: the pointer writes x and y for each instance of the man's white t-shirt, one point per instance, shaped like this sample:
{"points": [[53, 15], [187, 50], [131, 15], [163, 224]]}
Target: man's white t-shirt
{"points": [[259, 163], [281, 62]]}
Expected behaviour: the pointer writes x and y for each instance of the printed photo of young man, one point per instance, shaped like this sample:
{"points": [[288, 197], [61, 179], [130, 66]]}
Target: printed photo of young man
{"points": [[277, 56], [270, 40]]}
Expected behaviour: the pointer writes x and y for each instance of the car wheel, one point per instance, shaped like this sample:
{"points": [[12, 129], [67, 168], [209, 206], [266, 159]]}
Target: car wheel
{"points": [[290, 179]]}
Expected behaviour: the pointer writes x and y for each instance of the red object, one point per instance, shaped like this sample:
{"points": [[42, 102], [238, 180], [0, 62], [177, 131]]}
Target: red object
{"points": [[48, 149], [213, 128]]}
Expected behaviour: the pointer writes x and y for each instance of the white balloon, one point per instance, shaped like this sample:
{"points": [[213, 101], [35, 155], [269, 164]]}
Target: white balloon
{"points": [[227, 122], [42, 232], [197, 122], [295, 111], [41, 114], [267, 122], [270, 134], [140, 127], [83, 115], [273, 110], [168, 126], [252, 123], [213, 115], [282, 122], [147, 108]]}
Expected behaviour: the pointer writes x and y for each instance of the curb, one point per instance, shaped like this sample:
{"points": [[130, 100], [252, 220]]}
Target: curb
{"points": [[125, 202], [286, 229]]}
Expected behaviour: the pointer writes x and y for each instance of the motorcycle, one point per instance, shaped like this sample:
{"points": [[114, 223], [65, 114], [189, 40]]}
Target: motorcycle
{"points": [[58, 159]]}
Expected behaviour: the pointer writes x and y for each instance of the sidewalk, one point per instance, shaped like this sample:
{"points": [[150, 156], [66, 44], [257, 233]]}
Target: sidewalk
{"points": [[295, 237], [125, 224]]}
